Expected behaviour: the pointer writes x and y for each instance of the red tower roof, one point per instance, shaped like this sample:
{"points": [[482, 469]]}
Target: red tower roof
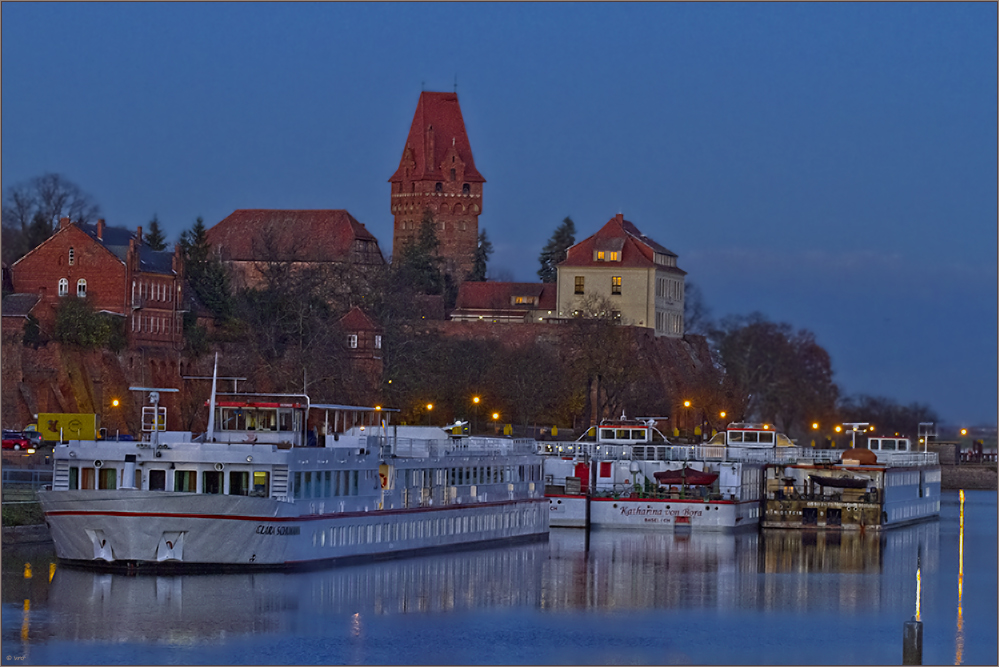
{"points": [[437, 125]]}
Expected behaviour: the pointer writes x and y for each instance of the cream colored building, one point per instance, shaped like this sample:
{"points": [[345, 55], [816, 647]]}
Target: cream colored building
{"points": [[622, 270]]}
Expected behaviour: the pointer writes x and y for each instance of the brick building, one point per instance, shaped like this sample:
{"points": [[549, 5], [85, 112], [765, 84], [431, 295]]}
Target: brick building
{"points": [[116, 270], [437, 172], [505, 302], [622, 267], [248, 239], [364, 349]]}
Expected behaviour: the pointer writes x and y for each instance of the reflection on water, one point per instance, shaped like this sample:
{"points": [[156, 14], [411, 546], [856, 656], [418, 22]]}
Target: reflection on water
{"points": [[114, 607], [586, 580]]}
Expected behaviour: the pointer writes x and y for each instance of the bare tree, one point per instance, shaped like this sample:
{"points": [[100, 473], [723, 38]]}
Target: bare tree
{"points": [[32, 211]]}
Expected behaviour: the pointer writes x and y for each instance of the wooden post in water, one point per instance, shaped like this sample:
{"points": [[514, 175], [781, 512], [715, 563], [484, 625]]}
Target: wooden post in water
{"points": [[912, 631]]}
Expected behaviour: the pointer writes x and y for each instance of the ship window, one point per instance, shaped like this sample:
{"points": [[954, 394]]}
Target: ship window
{"points": [[735, 436], [157, 480], [87, 478], [353, 483], [308, 491], [107, 478], [622, 434], [767, 437], [888, 445], [261, 484], [606, 434], [638, 434], [284, 420], [211, 481], [185, 481], [297, 485], [239, 483]]}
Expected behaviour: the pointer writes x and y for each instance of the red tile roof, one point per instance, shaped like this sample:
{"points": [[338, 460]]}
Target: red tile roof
{"points": [[357, 320], [288, 235], [637, 249], [441, 111], [500, 296]]}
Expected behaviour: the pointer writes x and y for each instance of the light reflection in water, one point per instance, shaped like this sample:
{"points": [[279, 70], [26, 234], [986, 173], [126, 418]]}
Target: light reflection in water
{"points": [[959, 639]]}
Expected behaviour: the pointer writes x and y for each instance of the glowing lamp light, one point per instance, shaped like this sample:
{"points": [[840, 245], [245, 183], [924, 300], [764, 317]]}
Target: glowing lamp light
{"points": [[114, 402], [495, 416], [964, 431], [839, 428], [475, 399], [430, 406], [722, 414], [686, 404], [815, 425]]}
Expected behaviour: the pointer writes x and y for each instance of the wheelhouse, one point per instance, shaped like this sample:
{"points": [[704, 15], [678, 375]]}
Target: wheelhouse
{"points": [[750, 435]]}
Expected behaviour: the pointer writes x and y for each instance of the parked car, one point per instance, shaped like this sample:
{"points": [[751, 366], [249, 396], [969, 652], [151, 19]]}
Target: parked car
{"points": [[15, 440]]}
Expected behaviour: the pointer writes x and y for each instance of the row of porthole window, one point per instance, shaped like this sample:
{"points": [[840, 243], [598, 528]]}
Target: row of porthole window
{"points": [[81, 287], [347, 535]]}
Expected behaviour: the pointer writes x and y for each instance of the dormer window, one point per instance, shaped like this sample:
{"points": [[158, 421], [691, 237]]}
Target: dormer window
{"points": [[615, 256], [601, 255], [72, 256]]}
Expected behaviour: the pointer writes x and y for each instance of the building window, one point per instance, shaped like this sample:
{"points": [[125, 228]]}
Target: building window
{"points": [[352, 341], [465, 189], [72, 256], [615, 284], [63, 287], [614, 256], [81, 288], [600, 255], [437, 188], [378, 342], [580, 283], [452, 174]]}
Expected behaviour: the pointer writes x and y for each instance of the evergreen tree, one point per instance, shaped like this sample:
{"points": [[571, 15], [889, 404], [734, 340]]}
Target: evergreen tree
{"points": [[419, 262], [155, 238], [555, 250], [482, 252], [205, 272]]}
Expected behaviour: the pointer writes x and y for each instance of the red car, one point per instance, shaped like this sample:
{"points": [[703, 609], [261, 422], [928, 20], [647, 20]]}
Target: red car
{"points": [[15, 440]]}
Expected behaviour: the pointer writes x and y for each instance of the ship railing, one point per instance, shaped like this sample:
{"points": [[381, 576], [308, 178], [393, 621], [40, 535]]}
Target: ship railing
{"points": [[417, 448], [908, 458]]}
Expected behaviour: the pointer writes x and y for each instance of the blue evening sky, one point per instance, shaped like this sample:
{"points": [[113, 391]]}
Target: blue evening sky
{"points": [[830, 165]]}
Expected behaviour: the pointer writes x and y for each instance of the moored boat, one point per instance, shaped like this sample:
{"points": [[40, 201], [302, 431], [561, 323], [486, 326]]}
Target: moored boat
{"points": [[629, 475], [262, 491], [887, 482]]}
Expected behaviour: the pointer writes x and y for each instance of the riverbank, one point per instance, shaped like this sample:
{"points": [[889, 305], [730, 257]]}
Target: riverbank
{"points": [[969, 477]]}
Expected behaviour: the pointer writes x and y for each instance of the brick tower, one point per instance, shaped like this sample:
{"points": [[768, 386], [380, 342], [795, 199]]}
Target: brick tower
{"points": [[437, 172]]}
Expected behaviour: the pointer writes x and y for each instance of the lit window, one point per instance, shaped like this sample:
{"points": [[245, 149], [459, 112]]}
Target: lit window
{"points": [[72, 256], [580, 282], [81, 288], [63, 287], [378, 342], [352, 341], [600, 255], [614, 256], [615, 284]]}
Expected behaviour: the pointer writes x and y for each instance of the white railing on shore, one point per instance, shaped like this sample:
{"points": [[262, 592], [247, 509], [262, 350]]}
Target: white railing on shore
{"points": [[908, 458]]}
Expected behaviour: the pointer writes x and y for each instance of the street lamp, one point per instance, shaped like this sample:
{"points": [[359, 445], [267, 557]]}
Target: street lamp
{"points": [[475, 401], [430, 406], [686, 417]]}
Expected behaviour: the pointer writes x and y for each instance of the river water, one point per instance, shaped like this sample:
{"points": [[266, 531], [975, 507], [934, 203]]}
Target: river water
{"points": [[607, 597]]}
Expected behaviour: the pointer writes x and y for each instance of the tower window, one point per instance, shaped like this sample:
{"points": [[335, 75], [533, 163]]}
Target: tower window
{"points": [[72, 256], [580, 283], [465, 189], [452, 174], [437, 188]]}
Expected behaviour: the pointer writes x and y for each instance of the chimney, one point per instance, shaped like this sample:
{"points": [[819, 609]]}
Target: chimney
{"points": [[619, 217], [63, 222], [138, 234], [100, 229]]}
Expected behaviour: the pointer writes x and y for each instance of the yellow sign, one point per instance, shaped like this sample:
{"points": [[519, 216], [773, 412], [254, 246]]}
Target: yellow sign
{"points": [[554, 430], [508, 429]]}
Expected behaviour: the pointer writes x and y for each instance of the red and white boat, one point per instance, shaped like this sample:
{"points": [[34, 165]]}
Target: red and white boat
{"points": [[627, 474]]}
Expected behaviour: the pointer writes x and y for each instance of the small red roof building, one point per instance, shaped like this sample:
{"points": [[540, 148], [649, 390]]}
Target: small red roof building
{"points": [[504, 302]]}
